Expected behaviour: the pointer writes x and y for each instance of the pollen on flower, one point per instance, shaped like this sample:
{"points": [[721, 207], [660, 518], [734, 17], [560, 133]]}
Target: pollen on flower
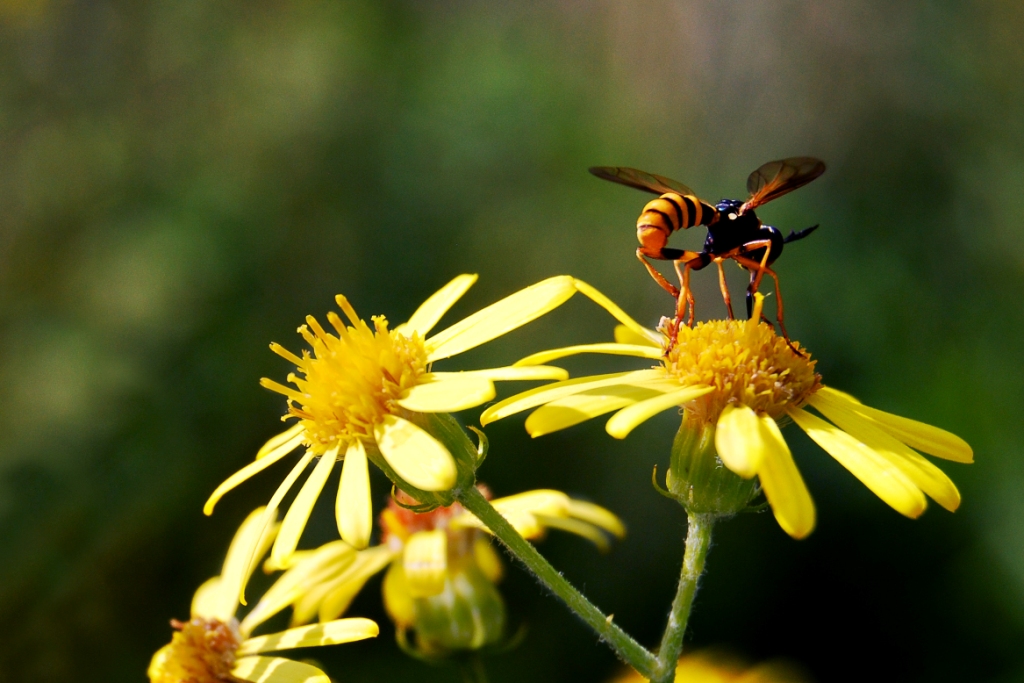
{"points": [[350, 379], [201, 651], [745, 362]]}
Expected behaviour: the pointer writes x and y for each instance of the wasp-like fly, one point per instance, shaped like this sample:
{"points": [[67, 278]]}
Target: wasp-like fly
{"points": [[734, 230]]}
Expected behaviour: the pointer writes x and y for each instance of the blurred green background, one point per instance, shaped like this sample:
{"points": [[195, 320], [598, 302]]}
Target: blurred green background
{"points": [[182, 181]]}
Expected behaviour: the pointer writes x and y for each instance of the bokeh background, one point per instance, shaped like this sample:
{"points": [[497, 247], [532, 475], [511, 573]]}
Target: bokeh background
{"points": [[182, 181]]}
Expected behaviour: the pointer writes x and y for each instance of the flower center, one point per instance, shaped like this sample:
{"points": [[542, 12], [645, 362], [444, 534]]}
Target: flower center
{"points": [[350, 380], [745, 362], [202, 651]]}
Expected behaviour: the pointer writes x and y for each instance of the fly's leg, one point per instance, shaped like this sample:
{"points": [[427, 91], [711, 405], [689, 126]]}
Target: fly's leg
{"points": [[685, 299], [758, 269], [658, 277], [779, 312], [724, 287]]}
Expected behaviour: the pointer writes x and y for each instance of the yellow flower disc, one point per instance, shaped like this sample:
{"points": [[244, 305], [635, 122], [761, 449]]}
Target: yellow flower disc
{"points": [[202, 651], [746, 363], [351, 380]]}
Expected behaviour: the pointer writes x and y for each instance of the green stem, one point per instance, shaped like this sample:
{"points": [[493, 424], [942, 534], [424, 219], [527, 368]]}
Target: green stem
{"points": [[630, 651], [698, 540]]}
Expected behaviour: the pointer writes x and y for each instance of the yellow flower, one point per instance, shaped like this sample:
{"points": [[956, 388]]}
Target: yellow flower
{"points": [[441, 569], [741, 379], [363, 387], [212, 647], [707, 667]]}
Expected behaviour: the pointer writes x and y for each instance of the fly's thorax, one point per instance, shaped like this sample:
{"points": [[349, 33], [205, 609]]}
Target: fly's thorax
{"points": [[744, 362], [732, 229], [201, 651]]}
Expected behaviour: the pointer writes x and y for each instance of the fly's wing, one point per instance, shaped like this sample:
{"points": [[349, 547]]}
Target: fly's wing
{"points": [[641, 180], [776, 178]]}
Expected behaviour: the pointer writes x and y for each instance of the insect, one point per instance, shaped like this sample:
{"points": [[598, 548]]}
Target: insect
{"points": [[734, 230]]}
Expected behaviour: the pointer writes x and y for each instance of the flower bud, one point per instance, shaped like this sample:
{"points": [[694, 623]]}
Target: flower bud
{"points": [[468, 613], [698, 479]]}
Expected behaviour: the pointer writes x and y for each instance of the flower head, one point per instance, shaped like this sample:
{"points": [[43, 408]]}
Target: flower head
{"points": [[441, 569], [212, 647], [366, 393], [712, 667], [741, 380]]}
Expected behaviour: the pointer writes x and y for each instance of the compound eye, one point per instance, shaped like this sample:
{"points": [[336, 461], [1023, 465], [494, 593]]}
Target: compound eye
{"points": [[732, 216]]}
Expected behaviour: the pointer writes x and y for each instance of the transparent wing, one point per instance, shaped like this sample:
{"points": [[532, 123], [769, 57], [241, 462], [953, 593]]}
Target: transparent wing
{"points": [[641, 180], [776, 178]]}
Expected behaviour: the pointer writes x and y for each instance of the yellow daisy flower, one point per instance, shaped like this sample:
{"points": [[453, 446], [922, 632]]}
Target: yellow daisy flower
{"points": [[740, 380], [366, 392], [212, 647], [441, 569], [709, 667]]}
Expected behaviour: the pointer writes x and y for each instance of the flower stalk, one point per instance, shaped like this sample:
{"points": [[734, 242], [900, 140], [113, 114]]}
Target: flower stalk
{"points": [[630, 651], [698, 541]]}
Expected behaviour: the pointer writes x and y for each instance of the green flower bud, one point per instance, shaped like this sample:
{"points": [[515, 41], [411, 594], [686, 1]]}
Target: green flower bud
{"points": [[698, 479], [468, 614]]}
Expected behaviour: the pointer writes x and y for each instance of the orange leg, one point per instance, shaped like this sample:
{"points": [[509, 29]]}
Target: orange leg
{"points": [[754, 246], [658, 277], [725, 288], [757, 270], [779, 312], [686, 295]]}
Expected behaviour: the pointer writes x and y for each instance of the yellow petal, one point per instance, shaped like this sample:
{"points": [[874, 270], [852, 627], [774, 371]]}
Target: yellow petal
{"points": [[264, 459], [345, 588], [270, 518], [398, 601], [638, 350], [501, 317], [553, 392], [448, 394], [354, 509], [547, 501], [782, 484], [277, 670], [434, 308], [306, 606], [298, 514], [596, 515], [575, 526], [628, 419], [417, 457], [572, 410], [923, 437], [738, 440], [209, 599], [328, 560], [276, 442], [331, 633], [522, 520], [617, 313], [487, 559], [509, 373], [918, 469], [883, 478], [425, 561], [625, 335], [218, 597]]}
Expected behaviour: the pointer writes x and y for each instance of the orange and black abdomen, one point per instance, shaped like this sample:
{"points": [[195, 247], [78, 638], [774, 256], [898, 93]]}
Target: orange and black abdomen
{"points": [[672, 211]]}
